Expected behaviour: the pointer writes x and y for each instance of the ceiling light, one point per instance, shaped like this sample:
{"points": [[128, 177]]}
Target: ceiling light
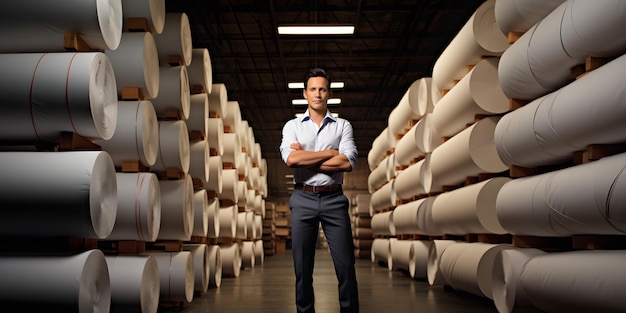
{"points": [[316, 30], [333, 85]]}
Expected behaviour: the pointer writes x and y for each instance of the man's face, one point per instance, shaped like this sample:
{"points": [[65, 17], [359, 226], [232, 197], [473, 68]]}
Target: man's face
{"points": [[317, 93]]}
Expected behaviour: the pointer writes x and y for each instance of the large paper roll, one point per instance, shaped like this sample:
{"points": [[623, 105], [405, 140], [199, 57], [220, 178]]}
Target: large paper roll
{"points": [[228, 221], [405, 218], [215, 135], [382, 224], [437, 248], [75, 283], [259, 252], [229, 186], [136, 134], [136, 64], [173, 147], [426, 136], [232, 119], [247, 254], [576, 281], [520, 15], [402, 253], [381, 251], [176, 275], [470, 209], [407, 184], [418, 266], [232, 151], [32, 26], [406, 110], [407, 151], [201, 264], [479, 37], [135, 283], [152, 10], [231, 260], [200, 213], [174, 95], [240, 226], [198, 113], [215, 182], [425, 222], [420, 96], [177, 218], [138, 207], [363, 204], [200, 70], [218, 100], [478, 93], [71, 193], [213, 217], [45, 94], [199, 155], [215, 266], [377, 177], [175, 39], [242, 193], [383, 198], [380, 146]]}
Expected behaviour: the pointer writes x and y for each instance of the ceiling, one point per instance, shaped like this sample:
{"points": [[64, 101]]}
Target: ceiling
{"points": [[395, 43]]}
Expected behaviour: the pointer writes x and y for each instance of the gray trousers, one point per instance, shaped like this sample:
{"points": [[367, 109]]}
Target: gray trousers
{"points": [[308, 210]]}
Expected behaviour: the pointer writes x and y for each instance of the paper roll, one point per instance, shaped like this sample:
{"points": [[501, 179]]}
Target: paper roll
{"points": [[38, 203], [228, 221], [77, 283], [176, 275], [401, 116], [201, 266], [383, 198], [232, 119], [407, 184], [213, 218], [520, 15], [218, 100], [138, 207], [420, 96], [173, 147], [174, 95], [425, 222], [434, 275], [232, 151], [215, 266], [377, 177], [231, 260], [241, 231], [381, 251], [378, 150], [152, 10], [259, 252], [200, 213], [45, 94], [229, 186], [363, 204], [405, 218], [402, 253], [136, 64], [215, 182], [33, 26], [200, 70], [407, 150], [136, 134], [199, 155], [382, 224], [242, 193], [135, 283], [247, 254], [177, 212], [215, 135], [175, 39], [418, 266], [426, 136], [198, 113]]}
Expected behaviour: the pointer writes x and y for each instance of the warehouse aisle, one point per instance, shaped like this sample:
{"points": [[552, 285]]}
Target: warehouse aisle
{"points": [[270, 288]]}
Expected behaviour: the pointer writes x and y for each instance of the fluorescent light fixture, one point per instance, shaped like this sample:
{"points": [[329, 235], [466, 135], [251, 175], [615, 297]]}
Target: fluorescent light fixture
{"points": [[333, 85], [316, 30], [304, 102], [334, 101]]}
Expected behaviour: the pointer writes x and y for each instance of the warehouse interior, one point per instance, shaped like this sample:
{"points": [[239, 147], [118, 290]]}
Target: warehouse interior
{"points": [[141, 170]]}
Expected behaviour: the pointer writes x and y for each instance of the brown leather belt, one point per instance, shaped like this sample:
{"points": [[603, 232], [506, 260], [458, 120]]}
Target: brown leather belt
{"points": [[317, 189]]}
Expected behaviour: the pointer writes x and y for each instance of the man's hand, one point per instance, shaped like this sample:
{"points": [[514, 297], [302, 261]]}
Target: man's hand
{"points": [[296, 146]]}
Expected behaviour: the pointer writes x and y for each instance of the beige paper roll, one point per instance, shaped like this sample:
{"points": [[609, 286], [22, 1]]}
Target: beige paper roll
{"points": [[247, 254], [383, 198], [377, 177], [136, 64], [173, 147], [405, 218], [437, 248], [177, 217], [241, 226], [228, 221], [135, 283], [520, 15], [213, 217], [259, 252], [426, 136], [229, 186], [382, 224], [407, 184], [407, 150], [250, 199], [363, 204], [200, 70], [215, 266], [402, 253], [198, 113], [418, 266], [380, 146], [381, 251], [32, 26], [138, 207], [200, 213], [420, 96], [218, 99], [201, 266], [199, 155], [38, 203], [175, 39], [50, 93], [174, 95], [231, 260], [232, 150], [176, 275], [136, 134], [425, 222], [152, 10], [215, 183], [215, 135], [233, 117], [242, 193]]}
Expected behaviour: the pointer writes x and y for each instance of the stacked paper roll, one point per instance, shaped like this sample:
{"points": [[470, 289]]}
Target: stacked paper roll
{"points": [[437, 248], [198, 113], [176, 275], [177, 218], [135, 283], [175, 39], [173, 147], [213, 218], [232, 151], [200, 70], [383, 198], [382, 224], [215, 183], [200, 213], [174, 95], [232, 119], [248, 254], [38, 203], [138, 207], [50, 93], [425, 222], [241, 229], [231, 260], [242, 194], [79, 282], [405, 218], [402, 254], [259, 252], [521, 15], [229, 186], [136, 134], [199, 154], [218, 99], [33, 26], [152, 10], [200, 255], [407, 150], [380, 146], [215, 135], [228, 221], [215, 266], [363, 204], [418, 266], [407, 184], [136, 64], [427, 137], [381, 251]]}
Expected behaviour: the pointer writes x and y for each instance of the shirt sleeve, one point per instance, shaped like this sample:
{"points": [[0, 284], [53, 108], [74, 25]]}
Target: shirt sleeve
{"points": [[347, 145], [288, 137]]}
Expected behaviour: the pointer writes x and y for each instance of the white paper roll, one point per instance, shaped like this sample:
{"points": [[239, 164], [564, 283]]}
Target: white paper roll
{"points": [[231, 260], [213, 218], [232, 150], [136, 64], [176, 275], [402, 253], [174, 94], [215, 135], [77, 283], [383, 198], [382, 224], [138, 207], [469, 153], [215, 266], [198, 113], [136, 134], [175, 39], [418, 266], [521, 15], [240, 226], [242, 193], [259, 252], [377, 177], [247, 254], [405, 218], [173, 147], [407, 150], [426, 136], [399, 119], [199, 160], [215, 183], [233, 118], [478, 93], [229, 186], [32, 26], [152, 10], [381, 251], [228, 221], [201, 264], [200, 70], [38, 203], [576, 281], [218, 100], [200, 213], [135, 283], [177, 218], [45, 94], [480, 36], [378, 150], [407, 184], [425, 222], [420, 96], [434, 275]]}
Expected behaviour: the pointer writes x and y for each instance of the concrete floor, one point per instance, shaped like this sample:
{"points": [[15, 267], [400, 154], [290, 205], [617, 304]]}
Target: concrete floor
{"points": [[270, 288]]}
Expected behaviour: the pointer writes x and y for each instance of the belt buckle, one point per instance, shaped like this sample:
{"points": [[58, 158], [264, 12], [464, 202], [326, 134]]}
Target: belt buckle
{"points": [[315, 189]]}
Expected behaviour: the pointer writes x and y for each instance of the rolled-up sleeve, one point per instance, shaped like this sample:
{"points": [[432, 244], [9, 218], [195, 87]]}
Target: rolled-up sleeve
{"points": [[288, 137], [347, 145]]}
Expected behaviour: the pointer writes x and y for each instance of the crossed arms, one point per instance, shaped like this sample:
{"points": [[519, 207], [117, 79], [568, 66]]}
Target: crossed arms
{"points": [[323, 161]]}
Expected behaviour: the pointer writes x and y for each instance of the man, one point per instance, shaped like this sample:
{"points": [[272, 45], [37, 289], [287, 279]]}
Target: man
{"points": [[320, 148]]}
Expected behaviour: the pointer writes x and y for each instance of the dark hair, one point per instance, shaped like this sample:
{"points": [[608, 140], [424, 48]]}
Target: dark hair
{"points": [[316, 72]]}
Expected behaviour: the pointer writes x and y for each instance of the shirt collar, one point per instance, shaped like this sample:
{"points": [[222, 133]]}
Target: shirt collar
{"points": [[307, 116]]}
